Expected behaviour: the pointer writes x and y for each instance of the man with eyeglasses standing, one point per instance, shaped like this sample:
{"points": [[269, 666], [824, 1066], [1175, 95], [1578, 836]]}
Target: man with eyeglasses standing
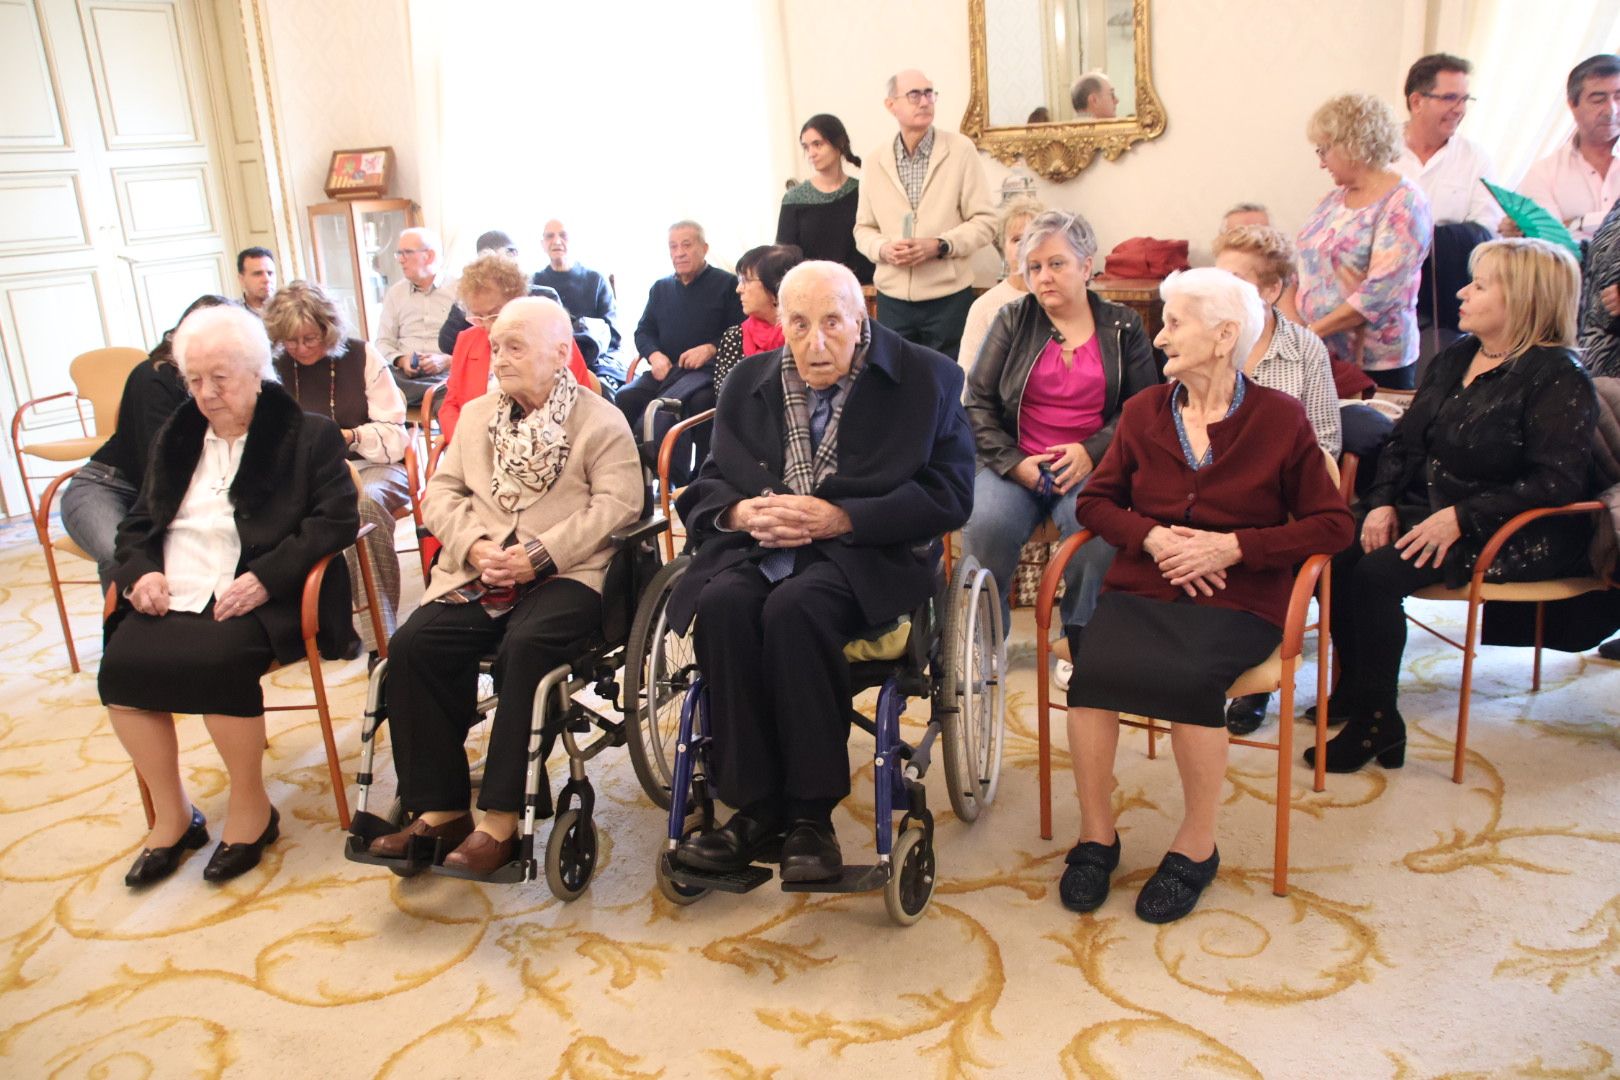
{"points": [[922, 213], [1446, 165], [1579, 182], [413, 310]]}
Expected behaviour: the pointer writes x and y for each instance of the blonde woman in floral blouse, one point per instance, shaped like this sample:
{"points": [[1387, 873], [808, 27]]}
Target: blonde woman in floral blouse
{"points": [[1361, 250]]}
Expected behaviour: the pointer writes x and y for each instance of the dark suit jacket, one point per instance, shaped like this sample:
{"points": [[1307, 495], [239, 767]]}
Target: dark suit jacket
{"points": [[295, 501], [905, 474]]}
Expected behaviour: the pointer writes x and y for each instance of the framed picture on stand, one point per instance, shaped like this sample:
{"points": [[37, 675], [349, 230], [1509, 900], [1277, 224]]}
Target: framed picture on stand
{"points": [[360, 174]]}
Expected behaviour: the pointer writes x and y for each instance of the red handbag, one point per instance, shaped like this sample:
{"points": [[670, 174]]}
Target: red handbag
{"points": [[1145, 257]]}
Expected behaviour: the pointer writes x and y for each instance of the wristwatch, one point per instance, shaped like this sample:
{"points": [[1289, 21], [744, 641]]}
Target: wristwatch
{"points": [[944, 248]]}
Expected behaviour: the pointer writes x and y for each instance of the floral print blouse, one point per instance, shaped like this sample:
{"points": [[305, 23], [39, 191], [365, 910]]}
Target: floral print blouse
{"points": [[1370, 257]]}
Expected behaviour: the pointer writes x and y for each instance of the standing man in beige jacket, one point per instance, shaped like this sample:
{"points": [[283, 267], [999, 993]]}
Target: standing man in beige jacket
{"points": [[924, 209]]}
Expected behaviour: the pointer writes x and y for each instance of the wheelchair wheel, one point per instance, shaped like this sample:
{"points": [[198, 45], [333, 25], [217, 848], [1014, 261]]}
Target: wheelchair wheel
{"points": [[973, 654], [911, 885], [658, 664], [571, 855], [676, 893]]}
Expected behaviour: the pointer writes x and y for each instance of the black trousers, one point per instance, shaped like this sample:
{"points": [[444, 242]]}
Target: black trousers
{"points": [[1401, 378], [1369, 616], [779, 686], [433, 684], [695, 390], [936, 324]]}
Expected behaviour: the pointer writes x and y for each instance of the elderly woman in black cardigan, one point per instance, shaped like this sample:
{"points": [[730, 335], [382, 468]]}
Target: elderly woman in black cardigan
{"points": [[245, 493], [1502, 423]]}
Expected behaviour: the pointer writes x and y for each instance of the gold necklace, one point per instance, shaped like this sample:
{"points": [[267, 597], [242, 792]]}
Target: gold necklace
{"points": [[331, 386]]}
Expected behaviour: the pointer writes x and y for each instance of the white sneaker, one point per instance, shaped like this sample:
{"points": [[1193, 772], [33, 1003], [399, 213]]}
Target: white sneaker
{"points": [[1061, 675]]}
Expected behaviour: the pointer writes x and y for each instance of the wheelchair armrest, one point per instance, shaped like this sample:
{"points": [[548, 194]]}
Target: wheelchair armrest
{"points": [[645, 529]]}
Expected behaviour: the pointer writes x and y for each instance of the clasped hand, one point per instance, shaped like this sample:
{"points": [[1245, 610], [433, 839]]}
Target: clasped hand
{"points": [[500, 567], [1193, 560], [909, 252], [787, 521], [1069, 464]]}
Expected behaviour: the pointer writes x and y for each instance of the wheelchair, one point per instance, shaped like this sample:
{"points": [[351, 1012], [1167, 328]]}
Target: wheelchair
{"points": [[570, 855], [950, 650]]}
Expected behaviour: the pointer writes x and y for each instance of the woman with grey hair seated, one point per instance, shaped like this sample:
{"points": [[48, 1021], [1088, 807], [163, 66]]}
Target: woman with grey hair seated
{"points": [[244, 493], [1199, 589], [1043, 399]]}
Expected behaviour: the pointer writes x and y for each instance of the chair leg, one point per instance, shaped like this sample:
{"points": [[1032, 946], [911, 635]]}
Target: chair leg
{"points": [[339, 795], [1285, 774], [1043, 724], [1465, 693], [1541, 627], [1326, 668], [56, 593], [1153, 741]]}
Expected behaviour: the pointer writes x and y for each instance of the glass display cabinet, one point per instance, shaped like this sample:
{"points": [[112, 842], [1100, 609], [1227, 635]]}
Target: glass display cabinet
{"points": [[353, 244]]}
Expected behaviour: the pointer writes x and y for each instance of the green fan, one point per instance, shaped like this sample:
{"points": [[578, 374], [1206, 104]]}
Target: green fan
{"points": [[1533, 219]]}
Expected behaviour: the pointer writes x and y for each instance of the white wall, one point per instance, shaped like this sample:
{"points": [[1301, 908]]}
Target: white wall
{"points": [[1238, 79], [342, 79]]}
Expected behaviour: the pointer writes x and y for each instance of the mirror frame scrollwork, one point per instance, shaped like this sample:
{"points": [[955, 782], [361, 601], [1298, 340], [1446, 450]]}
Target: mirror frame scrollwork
{"points": [[1060, 151]]}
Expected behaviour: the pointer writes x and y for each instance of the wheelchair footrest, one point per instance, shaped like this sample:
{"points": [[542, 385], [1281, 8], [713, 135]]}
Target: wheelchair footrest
{"points": [[366, 827], [853, 879], [513, 873], [744, 880], [355, 849]]}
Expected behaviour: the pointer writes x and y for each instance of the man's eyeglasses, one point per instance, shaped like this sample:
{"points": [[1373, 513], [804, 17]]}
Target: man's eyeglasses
{"points": [[1449, 100], [917, 97], [402, 252]]}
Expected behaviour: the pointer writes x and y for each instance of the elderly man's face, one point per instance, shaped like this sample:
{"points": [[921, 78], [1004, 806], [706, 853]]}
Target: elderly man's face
{"points": [[913, 101], [1104, 104], [687, 251], [225, 387], [1597, 110], [821, 332], [526, 352], [556, 241], [416, 259]]}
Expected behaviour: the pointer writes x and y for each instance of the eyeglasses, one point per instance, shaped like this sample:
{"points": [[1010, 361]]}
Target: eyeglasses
{"points": [[1449, 100], [402, 252], [307, 342], [485, 321], [917, 97]]}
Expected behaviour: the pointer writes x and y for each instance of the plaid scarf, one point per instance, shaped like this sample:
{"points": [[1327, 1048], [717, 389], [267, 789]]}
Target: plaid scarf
{"points": [[530, 449], [804, 472]]}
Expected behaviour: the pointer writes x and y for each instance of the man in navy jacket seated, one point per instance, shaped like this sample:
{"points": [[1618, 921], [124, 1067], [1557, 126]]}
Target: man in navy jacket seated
{"points": [[837, 461]]}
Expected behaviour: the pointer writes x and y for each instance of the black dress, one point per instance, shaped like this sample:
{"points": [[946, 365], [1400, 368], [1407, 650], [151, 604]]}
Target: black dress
{"points": [[823, 226]]}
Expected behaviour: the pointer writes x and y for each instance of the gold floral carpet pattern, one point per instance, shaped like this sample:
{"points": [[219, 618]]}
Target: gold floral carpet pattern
{"points": [[1433, 930]]}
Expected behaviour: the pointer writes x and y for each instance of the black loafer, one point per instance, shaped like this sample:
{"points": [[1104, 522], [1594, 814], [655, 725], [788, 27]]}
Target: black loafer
{"points": [[1173, 890], [732, 846], [810, 852], [234, 860], [155, 864], [1088, 866], [1245, 714]]}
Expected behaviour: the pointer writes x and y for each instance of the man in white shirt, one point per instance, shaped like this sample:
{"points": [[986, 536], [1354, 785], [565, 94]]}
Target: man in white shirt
{"points": [[1447, 166], [413, 310], [1578, 182]]}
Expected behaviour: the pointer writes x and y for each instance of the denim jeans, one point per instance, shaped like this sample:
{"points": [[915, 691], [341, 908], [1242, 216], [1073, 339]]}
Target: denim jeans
{"points": [[93, 503], [1005, 513]]}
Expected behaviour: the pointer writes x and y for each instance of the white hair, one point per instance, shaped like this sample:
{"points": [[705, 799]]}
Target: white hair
{"points": [[1219, 296], [806, 274], [235, 328], [1074, 229], [428, 238], [688, 223]]}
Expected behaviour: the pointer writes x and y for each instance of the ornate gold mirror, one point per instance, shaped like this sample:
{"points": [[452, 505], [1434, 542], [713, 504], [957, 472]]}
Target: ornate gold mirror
{"points": [[1057, 82]]}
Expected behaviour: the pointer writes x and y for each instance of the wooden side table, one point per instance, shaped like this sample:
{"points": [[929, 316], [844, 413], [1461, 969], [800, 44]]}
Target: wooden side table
{"points": [[1141, 295]]}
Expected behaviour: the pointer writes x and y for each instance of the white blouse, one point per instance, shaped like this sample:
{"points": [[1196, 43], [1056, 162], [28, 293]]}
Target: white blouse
{"points": [[202, 547]]}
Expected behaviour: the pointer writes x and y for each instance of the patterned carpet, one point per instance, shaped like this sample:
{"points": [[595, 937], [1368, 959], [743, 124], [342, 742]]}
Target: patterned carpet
{"points": [[1433, 930]]}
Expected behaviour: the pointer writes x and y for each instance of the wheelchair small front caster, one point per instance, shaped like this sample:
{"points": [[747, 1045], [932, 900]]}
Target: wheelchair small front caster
{"points": [[571, 855], [911, 884]]}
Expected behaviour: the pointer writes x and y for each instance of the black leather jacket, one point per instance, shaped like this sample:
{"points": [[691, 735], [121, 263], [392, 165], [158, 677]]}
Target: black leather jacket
{"points": [[995, 388]]}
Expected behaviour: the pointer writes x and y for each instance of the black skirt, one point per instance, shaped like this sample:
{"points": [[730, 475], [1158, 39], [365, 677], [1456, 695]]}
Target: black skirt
{"points": [[185, 662], [1169, 661]]}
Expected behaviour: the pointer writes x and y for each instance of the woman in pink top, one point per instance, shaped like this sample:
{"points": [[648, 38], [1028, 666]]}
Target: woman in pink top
{"points": [[1043, 399]]}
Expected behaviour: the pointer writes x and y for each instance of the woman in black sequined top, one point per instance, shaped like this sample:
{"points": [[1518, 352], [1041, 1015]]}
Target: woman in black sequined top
{"points": [[1502, 422]]}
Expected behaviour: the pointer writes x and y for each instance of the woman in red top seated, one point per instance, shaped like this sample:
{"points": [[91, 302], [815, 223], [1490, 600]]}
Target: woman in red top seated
{"points": [[488, 284], [1213, 490]]}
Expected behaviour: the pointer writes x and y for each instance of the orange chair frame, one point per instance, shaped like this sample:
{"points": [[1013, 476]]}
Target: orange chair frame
{"points": [[1313, 579]]}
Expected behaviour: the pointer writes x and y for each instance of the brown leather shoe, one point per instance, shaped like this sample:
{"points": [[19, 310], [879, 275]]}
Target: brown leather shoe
{"points": [[482, 854], [395, 845]]}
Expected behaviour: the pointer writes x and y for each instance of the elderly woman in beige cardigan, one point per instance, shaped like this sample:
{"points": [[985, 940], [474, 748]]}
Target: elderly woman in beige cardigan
{"points": [[524, 503]]}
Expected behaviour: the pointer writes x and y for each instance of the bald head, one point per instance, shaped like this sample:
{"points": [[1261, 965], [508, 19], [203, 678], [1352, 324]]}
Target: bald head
{"points": [[823, 312], [529, 345], [555, 239], [418, 252], [910, 99]]}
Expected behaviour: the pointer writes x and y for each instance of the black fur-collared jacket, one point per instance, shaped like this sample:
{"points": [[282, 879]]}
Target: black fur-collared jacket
{"points": [[295, 502]]}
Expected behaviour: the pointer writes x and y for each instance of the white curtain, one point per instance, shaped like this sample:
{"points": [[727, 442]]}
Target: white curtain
{"points": [[1521, 53], [618, 118]]}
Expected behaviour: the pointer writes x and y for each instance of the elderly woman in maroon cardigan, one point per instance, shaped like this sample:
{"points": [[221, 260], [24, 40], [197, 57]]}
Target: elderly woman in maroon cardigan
{"points": [[1213, 490]]}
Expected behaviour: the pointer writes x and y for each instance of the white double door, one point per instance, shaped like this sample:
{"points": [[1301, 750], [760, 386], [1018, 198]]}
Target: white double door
{"points": [[112, 214]]}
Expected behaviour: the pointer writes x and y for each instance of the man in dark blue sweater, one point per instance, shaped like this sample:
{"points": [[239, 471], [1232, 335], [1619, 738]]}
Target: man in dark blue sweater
{"points": [[677, 338]]}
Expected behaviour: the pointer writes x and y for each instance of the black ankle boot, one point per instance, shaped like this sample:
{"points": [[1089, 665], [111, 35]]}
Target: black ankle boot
{"points": [[1381, 734]]}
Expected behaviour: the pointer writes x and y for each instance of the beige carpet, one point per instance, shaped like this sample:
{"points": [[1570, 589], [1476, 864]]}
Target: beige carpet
{"points": [[1433, 930]]}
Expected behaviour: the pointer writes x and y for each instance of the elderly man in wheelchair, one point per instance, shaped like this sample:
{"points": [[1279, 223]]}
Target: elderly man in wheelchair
{"points": [[526, 502], [836, 464]]}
